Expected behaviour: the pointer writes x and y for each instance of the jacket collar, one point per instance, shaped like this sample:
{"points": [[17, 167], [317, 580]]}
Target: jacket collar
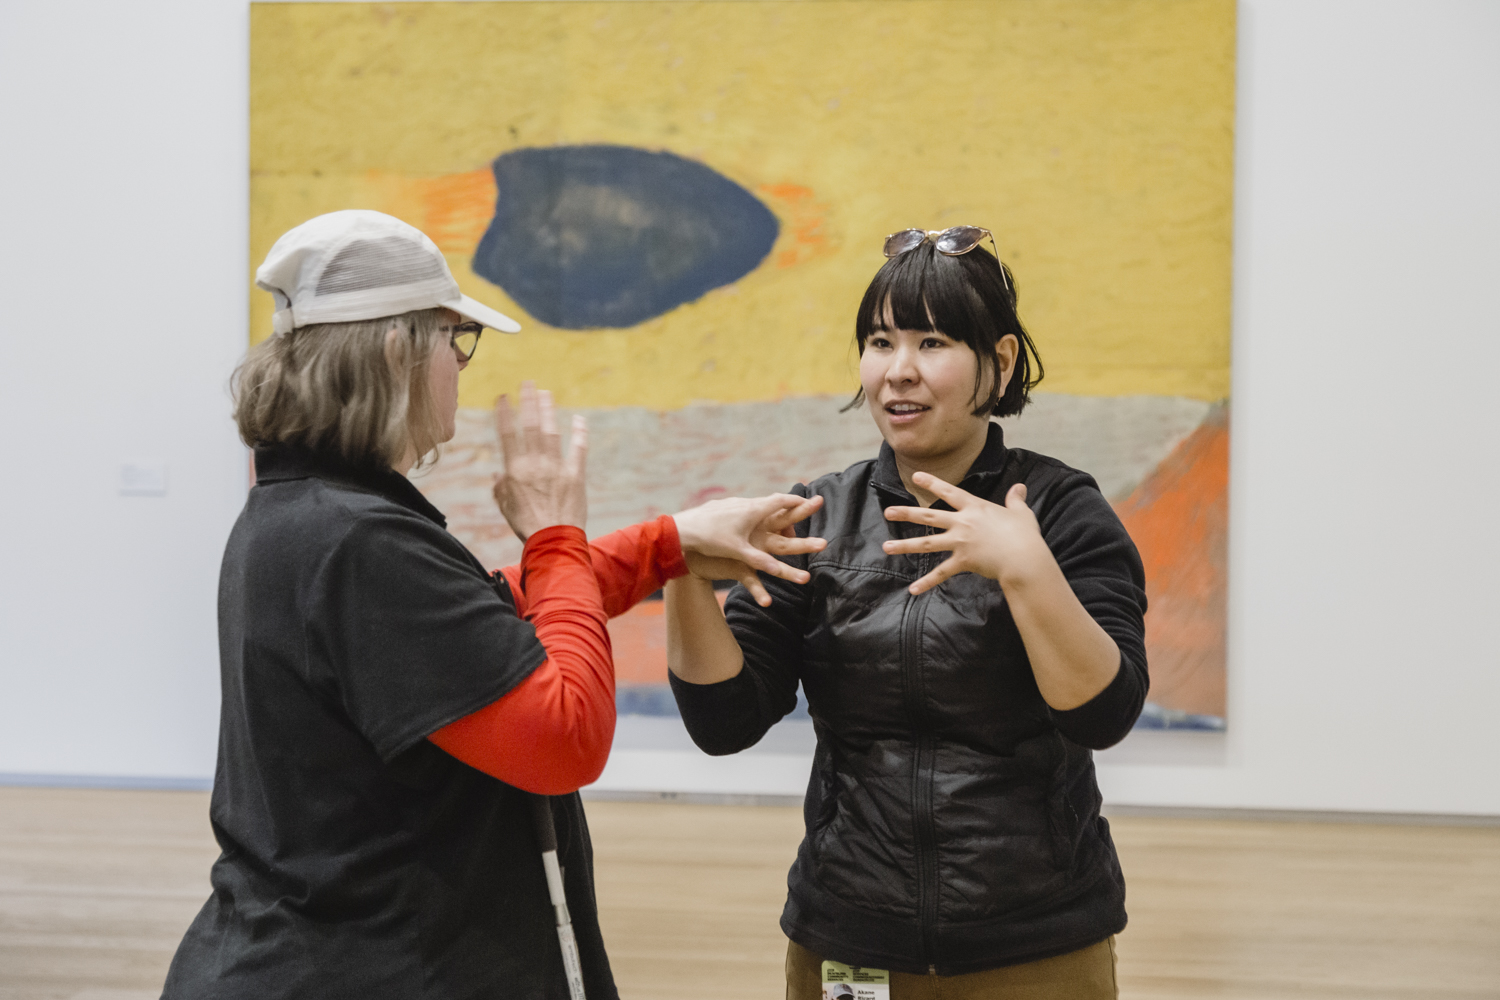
{"points": [[979, 480], [281, 463]]}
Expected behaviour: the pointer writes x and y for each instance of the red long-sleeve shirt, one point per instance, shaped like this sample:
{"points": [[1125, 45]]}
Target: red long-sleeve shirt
{"points": [[551, 733]]}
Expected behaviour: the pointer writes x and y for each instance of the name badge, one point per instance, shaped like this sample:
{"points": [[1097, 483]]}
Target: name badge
{"points": [[855, 982]]}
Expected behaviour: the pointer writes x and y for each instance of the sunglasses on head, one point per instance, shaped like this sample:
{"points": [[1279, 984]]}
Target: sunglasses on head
{"points": [[954, 242]]}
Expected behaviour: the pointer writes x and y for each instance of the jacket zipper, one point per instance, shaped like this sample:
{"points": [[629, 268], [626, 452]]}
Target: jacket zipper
{"points": [[927, 878]]}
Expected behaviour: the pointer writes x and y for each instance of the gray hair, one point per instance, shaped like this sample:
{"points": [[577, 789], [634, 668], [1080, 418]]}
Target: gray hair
{"points": [[357, 389]]}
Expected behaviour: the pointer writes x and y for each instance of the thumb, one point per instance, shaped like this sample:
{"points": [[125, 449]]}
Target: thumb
{"points": [[1016, 496]]}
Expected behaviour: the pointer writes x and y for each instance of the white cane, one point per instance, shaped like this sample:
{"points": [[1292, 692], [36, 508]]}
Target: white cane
{"points": [[546, 835]]}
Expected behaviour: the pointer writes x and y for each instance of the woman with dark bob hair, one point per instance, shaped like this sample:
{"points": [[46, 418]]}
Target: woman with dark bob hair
{"points": [[403, 733], [972, 629]]}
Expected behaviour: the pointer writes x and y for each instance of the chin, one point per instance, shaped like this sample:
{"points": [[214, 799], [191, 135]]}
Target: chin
{"points": [[919, 446], [909, 445]]}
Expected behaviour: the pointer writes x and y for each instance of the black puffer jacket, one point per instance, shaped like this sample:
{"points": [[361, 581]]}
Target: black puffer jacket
{"points": [[952, 817]]}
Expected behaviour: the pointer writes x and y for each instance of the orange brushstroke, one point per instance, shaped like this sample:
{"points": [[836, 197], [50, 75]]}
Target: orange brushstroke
{"points": [[806, 233], [453, 209], [1179, 518], [457, 209]]}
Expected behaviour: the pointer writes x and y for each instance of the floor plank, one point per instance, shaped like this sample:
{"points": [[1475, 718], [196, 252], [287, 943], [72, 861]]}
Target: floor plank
{"points": [[1249, 910], [96, 888]]}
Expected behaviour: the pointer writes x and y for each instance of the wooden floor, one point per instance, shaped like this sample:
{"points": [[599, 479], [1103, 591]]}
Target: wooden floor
{"points": [[96, 887]]}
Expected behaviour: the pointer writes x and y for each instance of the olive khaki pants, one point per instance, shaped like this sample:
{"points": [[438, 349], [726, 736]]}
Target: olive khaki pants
{"points": [[1085, 974]]}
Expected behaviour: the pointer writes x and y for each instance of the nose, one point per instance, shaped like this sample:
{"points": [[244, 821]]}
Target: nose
{"points": [[903, 366]]}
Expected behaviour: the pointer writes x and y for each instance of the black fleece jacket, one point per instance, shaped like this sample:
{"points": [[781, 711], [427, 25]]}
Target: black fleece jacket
{"points": [[952, 816]]}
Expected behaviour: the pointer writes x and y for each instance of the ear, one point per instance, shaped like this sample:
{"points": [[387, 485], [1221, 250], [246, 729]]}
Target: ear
{"points": [[395, 348], [1007, 350]]}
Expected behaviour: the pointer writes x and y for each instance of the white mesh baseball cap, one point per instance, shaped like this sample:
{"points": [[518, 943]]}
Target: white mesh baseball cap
{"points": [[355, 265]]}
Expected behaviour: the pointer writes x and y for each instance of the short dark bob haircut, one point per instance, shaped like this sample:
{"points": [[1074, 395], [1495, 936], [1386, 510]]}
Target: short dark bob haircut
{"points": [[965, 297]]}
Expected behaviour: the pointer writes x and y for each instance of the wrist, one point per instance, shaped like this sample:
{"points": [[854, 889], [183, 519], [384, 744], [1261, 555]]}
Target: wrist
{"points": [[689, 537], [689, 584], [1028, 568]]}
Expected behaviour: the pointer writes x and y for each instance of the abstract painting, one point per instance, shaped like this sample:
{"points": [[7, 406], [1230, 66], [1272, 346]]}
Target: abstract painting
{"points": [[682, 203]]}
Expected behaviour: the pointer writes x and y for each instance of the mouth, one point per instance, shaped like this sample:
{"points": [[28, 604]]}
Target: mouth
{"points": [[901, 411]]}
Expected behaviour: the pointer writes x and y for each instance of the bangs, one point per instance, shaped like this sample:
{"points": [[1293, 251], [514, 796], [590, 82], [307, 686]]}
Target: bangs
{"points": [[925, 290]]}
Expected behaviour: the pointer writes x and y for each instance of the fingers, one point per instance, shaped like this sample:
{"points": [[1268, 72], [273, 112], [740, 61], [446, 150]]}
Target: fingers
{"points": [[548, 421], [578, 446], [926, 543], [945, 569], [932, 484], [547, 413], [531, 418], [801, 509], [758, 560], [791, 545], [921, 515], [505, 428], [789, 508], [751, 582], [531, 428], [1016, 496]]}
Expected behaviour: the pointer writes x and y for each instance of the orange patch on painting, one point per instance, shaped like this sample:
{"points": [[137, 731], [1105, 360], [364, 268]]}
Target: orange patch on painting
{"points": [[639, 640], [457, 209], [805, 219], [453, 209], [1179, 519]]}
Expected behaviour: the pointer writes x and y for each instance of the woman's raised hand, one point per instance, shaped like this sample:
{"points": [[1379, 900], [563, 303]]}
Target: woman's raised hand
{"points": [[1002, 543], [732, 539], [539, 487]]}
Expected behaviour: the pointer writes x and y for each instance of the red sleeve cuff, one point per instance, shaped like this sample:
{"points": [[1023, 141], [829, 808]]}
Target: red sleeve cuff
{"points": [[556, 536], [669, 548]]}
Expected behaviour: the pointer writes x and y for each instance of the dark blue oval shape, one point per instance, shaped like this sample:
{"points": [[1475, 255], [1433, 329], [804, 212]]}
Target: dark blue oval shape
{"points": [[610, 236]]}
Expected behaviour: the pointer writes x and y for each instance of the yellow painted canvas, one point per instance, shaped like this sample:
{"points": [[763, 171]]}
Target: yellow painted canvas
{"points": [[1094, 137]]}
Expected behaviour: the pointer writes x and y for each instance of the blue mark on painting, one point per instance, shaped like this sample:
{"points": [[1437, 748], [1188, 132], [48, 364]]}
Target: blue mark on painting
{"points": [[1153, 716], [611, 236]]}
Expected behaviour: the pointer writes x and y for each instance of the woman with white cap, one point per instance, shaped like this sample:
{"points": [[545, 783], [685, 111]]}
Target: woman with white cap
{"points": [[390, 708]]}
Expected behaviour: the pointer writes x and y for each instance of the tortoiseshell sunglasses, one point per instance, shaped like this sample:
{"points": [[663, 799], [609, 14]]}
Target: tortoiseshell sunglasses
{"points": [[954, 242]]}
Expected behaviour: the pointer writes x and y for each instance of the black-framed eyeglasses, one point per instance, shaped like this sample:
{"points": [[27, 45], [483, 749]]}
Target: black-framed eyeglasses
{"points": [[954, 242], [465, 339]]}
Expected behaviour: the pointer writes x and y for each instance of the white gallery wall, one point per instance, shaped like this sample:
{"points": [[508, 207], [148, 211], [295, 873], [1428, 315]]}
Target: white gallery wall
{"points": [[123, 189], [1365, 472]]}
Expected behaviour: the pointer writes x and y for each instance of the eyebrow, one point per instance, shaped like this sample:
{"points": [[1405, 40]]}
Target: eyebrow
{"points": [[898, 329]]}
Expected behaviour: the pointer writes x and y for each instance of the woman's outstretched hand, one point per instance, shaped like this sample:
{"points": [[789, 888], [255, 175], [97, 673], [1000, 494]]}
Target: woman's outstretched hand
{"points": [[732, 539], [539, 487], [1002, 543]]}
